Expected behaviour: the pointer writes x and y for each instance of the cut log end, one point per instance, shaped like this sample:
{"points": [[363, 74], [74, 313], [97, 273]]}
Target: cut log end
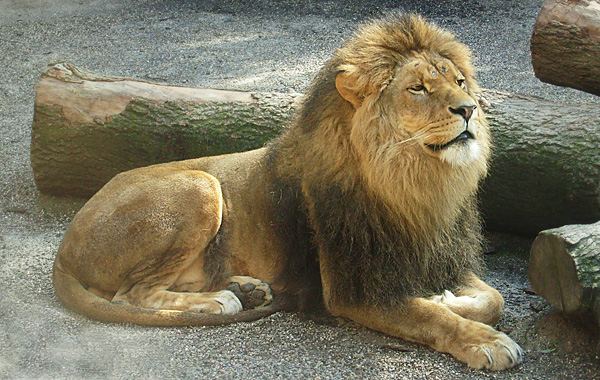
{"points": [[564, 266], [565, 45], [553, 275]]}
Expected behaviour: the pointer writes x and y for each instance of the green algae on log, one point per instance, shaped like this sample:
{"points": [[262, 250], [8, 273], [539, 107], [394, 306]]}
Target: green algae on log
{"points": [[87, 128], [544, 173]]}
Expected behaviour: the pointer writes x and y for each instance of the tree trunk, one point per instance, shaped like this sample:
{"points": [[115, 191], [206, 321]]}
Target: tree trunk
{"points": [[564, 267], [565, 46], [87, 128], [545, 170]]}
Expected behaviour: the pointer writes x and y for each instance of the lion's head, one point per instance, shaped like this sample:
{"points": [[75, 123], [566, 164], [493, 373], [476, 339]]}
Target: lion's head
{"points": [[395, 109], [420, 80]]}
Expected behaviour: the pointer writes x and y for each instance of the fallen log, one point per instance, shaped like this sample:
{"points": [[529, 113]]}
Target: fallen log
{"points": [[545, 167], [87, 128], [565, 45], [564, 268]]}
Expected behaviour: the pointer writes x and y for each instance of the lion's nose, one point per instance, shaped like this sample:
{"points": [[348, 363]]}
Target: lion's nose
{"points": [[465, 111]]}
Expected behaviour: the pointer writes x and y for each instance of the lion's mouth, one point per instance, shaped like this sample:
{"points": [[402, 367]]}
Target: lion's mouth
{"points": [[462, 138]]}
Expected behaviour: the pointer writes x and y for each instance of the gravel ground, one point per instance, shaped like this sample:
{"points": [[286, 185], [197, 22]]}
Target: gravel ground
{"points": [[255, 45]]}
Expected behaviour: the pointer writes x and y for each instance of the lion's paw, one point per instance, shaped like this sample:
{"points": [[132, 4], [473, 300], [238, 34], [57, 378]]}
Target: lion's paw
{"points": [[222, 302], [498, 353], [449, 299], [251, 292]]}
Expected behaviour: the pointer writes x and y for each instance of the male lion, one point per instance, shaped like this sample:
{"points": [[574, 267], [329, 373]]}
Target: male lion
{"points": [[366, 204]]}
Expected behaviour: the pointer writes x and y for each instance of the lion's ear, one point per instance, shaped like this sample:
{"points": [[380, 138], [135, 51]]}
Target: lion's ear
{"points": [[346, 87]]}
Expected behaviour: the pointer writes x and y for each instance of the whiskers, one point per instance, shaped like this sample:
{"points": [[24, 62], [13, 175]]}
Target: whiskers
{"points": [[437, 130], [421, 133]]}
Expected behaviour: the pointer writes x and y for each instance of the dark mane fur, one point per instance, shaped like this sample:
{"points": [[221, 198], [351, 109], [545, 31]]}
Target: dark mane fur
{"points": [[378, 262], [301, 276], [326, 212]]}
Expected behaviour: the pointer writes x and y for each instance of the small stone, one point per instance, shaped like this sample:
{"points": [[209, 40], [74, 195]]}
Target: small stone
{"points": [[538, 306]]}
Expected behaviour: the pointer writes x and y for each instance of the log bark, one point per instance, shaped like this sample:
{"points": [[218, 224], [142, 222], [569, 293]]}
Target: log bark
{"points": [[545, 166], [545, 170], [565, 45], [87, 127], [564, 267]]}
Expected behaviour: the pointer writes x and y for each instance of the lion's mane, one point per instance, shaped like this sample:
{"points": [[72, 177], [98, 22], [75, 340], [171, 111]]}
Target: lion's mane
{"points": [[395, 221]]}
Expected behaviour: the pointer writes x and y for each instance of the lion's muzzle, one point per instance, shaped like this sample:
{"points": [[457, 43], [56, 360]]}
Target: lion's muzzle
{"points": [[462, 138]]}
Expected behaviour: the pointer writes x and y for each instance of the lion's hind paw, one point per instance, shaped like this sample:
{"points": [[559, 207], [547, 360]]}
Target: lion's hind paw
{"points": [[251, 292]]}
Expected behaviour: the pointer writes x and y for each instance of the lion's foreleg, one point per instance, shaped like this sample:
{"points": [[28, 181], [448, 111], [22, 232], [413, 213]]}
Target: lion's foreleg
{"points": [[432, 323], [476, 301], [428, 322]]}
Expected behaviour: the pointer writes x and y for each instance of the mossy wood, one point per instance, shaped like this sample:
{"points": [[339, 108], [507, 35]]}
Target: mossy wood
{"points": [[565, 46], [87, 128], [545, 167], [545, 172], [564, 267]]}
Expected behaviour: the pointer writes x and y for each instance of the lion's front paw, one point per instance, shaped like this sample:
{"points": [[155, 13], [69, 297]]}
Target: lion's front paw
{"points": [[491, 350], [449, 299], [498, 354], [251, 292]]}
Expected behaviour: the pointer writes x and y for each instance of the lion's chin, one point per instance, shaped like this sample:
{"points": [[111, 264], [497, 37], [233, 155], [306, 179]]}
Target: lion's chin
{"points": [[461, 154]]}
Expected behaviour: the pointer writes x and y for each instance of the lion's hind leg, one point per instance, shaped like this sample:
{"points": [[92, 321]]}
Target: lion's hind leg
{"points": [[181, 213], [242, 293], [220, 302]]}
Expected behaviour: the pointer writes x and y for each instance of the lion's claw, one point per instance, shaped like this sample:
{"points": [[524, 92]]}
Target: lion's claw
{"points": [[489, 349], [501, 354]]}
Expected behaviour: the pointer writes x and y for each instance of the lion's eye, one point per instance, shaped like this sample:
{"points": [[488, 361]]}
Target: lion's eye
{"points": [[460, 82], [417, 88]]}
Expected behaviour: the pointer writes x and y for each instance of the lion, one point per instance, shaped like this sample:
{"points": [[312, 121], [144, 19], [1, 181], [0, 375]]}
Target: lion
{"points": [[365, 205]]}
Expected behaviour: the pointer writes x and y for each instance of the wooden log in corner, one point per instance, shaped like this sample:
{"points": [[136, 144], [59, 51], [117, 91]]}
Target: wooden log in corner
{"points": [[88, 128], [564, 268], [565, 45]]}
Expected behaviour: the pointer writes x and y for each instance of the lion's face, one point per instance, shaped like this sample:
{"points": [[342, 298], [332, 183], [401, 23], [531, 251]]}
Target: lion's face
{"points": [[435, 108]]}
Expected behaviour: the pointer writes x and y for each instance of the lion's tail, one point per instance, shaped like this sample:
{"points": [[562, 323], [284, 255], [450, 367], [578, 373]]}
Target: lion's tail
{"points": [[74, 295]]}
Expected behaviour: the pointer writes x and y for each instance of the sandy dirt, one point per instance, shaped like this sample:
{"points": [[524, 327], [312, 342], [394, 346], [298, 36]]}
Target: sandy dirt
{"points": [[254, 45]]}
